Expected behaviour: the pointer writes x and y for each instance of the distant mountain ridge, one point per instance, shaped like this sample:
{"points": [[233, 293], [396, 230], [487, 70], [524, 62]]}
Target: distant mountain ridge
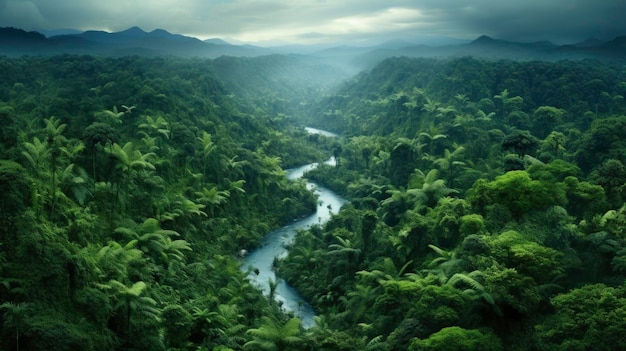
{"points": [[132, 41], [159, 42], [132, 34]]}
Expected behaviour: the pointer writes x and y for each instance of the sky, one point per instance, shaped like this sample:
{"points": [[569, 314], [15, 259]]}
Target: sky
{"points": [[326, 21]]}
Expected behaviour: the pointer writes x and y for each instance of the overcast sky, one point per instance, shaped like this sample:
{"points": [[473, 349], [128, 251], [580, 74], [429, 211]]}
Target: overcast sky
{"points": [[314, 21]]}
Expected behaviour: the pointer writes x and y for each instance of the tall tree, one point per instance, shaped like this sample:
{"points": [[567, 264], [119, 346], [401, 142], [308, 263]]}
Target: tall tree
{"points": [[274, 335]]}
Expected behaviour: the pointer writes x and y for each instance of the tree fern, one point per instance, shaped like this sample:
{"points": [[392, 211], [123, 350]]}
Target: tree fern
{"points": [[467, 279], [273, 336], [376, 343]]}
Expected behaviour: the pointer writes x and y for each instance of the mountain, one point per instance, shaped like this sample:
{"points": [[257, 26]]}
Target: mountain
{"points": [[217, 41], [16, 36], [16, 42], [134, 34], [350, 58], [132, 41], [619, 43], [496, 49], [63, 31], [589, 42]]}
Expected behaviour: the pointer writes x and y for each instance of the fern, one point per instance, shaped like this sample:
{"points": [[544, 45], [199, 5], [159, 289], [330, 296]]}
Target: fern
{"points": [[460, 277], [376, 343]]}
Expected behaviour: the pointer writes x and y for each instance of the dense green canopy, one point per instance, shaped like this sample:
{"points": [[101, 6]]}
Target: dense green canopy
{"points": [[486, 203]]}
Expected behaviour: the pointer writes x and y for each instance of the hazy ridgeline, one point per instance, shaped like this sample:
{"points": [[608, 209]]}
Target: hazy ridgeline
{"points": [[486, 203]]}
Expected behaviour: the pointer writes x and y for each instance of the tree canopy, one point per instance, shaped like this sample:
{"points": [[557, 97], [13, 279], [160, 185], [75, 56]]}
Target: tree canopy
{"points": [[485, 203]]}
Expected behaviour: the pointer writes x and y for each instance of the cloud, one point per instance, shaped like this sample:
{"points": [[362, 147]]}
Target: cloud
{"points": [[388, 20], [255, 20], [534, 19], [16, 13]]}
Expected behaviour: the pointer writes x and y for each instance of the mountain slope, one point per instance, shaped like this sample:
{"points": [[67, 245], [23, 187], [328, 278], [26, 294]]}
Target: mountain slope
{"points": [[159, 42], [133, 41]]}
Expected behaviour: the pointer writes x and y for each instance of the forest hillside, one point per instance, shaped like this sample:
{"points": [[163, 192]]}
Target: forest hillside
{"points": [[128, 188], [486, 203], [487, 208]]}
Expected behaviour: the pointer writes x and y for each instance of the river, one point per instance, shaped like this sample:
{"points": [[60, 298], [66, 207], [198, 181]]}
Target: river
{"points": [[274, 245]]}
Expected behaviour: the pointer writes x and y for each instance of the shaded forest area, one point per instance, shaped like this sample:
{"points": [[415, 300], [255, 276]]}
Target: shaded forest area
{"points": [[128, 187], [487, 208], [486, 204]]}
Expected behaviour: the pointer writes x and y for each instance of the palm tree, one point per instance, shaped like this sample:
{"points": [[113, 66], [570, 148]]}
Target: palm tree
{"points": [[449, 163], [345, 249], [15, 316], [178, 207], [463, 120], [212, 198], [366, 187], [150, 143], [402, 156], [395, 206], [409, 239], [503, 97], [208, 148], [431, 191], [411, 105], [446, 273], [272, 175], [37, 155], [113, 260], [129, 300], [381, 161], [128, 109], [461, 100], [154, 241], [482, 116], [130, 159], [156, 126], [430, 106], [110, 116], [172, 250], [271, 335], [474, 289], [273, 285], [224, 322], [377, 280], [365, 146], [446, 113], [360, 301], [444, 266], [55, 140], [388, 271], [430, 139], [98, 135], [414, 146], [73, 180]]}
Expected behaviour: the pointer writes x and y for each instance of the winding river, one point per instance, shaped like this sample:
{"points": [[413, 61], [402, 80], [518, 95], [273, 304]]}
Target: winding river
{"points": [[274, 245]]}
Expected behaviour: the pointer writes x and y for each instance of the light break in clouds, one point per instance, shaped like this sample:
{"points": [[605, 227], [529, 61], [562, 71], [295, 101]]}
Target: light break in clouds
{"points": [[319, 21]]}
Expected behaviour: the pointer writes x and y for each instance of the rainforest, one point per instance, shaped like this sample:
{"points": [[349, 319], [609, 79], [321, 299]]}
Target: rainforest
{"points": [[485, 203]]}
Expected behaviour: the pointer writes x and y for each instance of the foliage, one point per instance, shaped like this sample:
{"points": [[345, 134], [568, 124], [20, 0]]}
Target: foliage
{"points": [[494, 190], [127, 193], [590, 317], [486, 203], [456, 338], [518, 192]]}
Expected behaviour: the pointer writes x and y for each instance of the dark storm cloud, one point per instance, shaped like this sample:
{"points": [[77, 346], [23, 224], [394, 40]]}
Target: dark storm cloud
{"points": [[540, 20], [319, 20]]}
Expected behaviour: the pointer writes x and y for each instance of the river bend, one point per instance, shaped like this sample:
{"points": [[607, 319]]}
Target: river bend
{"points": [[274, 245]]}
